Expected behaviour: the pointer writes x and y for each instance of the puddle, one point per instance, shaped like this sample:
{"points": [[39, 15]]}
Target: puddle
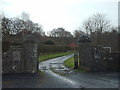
{"points": [[55, 65], [61, 70], [56, 68]]}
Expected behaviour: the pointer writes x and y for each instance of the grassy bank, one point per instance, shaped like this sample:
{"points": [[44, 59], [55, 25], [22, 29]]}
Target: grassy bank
{"points": [[69, 62], [54, 55]]}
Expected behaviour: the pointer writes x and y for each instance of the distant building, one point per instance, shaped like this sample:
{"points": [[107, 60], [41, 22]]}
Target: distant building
{"points": [[73, 45]]}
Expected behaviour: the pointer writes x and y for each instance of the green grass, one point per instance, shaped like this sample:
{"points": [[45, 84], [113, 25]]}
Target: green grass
{"points": [[69, 62], [54, 55]]}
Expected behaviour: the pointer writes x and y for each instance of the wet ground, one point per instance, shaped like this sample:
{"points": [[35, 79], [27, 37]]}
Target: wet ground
{"points": [[56, 75]]}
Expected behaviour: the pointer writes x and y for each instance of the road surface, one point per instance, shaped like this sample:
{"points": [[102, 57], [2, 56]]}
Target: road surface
{"points": [[56, 75]]}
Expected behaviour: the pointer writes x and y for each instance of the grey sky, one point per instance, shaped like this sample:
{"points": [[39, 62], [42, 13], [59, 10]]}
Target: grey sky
{"points": [[69, 14]]}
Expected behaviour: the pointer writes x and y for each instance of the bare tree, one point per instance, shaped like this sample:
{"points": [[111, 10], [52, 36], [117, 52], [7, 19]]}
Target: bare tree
{"points": [[97, 23], [17, 25], [78, 33], [60, 32], [24, 16], [0, 27], [5, 26]]}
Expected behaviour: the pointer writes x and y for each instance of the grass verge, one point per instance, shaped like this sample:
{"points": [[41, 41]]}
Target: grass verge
{"points": [[54, 55], [69, 62]]}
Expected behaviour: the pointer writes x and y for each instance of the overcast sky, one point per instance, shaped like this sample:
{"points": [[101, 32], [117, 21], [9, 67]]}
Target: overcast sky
{"points": [[68, 14]]}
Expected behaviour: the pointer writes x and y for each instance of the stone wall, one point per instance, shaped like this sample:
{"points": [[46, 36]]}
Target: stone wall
{"points": [[12, 61], [100, 61], [21, 58]]}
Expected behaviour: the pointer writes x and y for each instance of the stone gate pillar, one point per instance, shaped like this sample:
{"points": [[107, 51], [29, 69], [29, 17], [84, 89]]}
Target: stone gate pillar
{"points": [[86, 56], [30, 54]]}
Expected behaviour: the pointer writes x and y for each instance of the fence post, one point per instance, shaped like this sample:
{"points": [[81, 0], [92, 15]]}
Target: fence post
{"points": [[75, 61]]}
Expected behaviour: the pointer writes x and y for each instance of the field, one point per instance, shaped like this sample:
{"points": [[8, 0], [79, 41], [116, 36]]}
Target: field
{"points": [[54, 55]]}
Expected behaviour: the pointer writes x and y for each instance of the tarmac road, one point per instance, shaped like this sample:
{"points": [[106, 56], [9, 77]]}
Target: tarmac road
{"points": [[74, 79], [56, 75]]}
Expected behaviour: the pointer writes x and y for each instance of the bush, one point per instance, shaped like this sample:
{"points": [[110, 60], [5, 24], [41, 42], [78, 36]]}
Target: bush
{"points": [[46, 49], [49, 42]]}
